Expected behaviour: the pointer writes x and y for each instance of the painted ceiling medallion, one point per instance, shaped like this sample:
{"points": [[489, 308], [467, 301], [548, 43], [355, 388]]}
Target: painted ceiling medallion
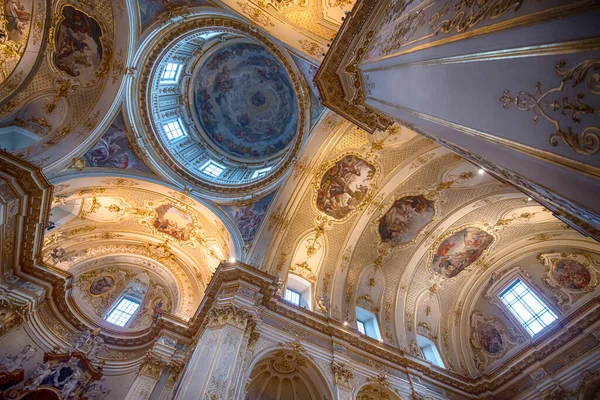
{"points": [[490, 338], [403, 222], [344, 186], [246, 102], [174, 222], [571, 274], [78, 47], [459, 251]]}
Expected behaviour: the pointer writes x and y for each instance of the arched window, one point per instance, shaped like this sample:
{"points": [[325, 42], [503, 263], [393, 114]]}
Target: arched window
{"points": [[366, 323], [298, 291], [430, 351]]}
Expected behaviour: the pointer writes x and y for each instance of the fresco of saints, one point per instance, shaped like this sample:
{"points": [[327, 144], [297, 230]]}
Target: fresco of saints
{"points": [[459, 251], [405, 219], [78, 49], [344, 186], [571, 274]]}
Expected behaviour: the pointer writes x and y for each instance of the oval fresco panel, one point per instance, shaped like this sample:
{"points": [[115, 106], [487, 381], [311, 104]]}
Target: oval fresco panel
{"points": [[102, 285], [405, 219], [174, 222], [245, 101], [459, 251], [15, 24], [344, 186], [571, 274], [489, 338], [78, 47]]}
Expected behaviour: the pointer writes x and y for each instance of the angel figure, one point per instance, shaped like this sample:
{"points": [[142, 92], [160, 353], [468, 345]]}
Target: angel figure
{"points": [[83, 338], [96, 348], [71, 383], [15, 361], [321, 304], [42, 371], [96, 389]]}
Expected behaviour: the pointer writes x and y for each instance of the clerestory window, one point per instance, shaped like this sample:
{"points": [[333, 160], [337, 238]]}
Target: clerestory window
{"points": [[527, 307], [292, 297], [123, 311], [171, 73]]}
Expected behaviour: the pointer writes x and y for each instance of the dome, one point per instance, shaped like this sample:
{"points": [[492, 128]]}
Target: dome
{"points": [[245, 101], [226, 108]]}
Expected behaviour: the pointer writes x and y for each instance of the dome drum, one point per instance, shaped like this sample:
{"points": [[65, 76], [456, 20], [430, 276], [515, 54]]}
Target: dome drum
{"points": [[225, 107]]}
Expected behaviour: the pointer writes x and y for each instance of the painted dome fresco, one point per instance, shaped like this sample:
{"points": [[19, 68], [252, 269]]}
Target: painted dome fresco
{"points": [[227, 110], [245, 101]]}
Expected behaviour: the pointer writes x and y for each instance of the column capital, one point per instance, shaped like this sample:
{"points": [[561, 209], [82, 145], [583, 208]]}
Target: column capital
{"points": [[231, 314], [342, 373], [152, 366]]}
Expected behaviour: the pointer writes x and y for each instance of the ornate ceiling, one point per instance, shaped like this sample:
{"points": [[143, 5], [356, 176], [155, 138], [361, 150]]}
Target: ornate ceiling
{"points": [[389, 222]]}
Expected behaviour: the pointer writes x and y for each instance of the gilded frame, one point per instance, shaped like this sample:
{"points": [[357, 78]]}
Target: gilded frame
{"points": [[326, 166]]}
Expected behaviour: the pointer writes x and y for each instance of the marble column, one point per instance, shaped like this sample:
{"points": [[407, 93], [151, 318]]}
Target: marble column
{"points": [[214, 370]]}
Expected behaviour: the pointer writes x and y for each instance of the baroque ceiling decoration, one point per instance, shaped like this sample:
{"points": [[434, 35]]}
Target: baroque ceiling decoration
{"points": [[249, 145], [389, 222]]}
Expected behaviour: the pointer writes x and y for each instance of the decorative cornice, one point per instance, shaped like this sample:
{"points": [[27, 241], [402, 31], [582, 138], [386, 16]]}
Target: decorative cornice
{"points": [[352, 39], [224, 24]]}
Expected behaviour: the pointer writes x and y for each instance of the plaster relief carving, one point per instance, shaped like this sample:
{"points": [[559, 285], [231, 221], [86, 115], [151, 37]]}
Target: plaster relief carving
{"points": [[344, 186], [491, 339], [572, 275]]}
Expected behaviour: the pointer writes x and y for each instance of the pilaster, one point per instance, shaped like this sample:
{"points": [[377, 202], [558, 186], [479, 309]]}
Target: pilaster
{"points": [[148, 376], [215, 367]]}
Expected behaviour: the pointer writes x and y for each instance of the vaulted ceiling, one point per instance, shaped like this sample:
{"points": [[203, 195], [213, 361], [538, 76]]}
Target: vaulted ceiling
{"points": [[389, 222]]}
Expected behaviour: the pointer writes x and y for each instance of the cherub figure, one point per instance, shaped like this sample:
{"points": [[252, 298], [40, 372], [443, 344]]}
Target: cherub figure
{"points": [[15, 361]]}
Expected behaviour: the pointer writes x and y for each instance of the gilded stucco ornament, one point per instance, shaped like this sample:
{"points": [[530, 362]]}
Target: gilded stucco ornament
{"points": [[342, 373], [551, 107], [345, 185], [490, 339], [457, 249], [175, 221], [571, 275], [255, 14]]}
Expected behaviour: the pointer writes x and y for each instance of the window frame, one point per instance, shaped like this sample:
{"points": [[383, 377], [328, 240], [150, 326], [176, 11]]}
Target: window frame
{"points": [[423, 342], [211, 163], [293, 293], [509, 277], [175, 78], [360, 324], [259, 173], [370, 322], [169, 133], [519, 299], [303, 287], [116, 305]]}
